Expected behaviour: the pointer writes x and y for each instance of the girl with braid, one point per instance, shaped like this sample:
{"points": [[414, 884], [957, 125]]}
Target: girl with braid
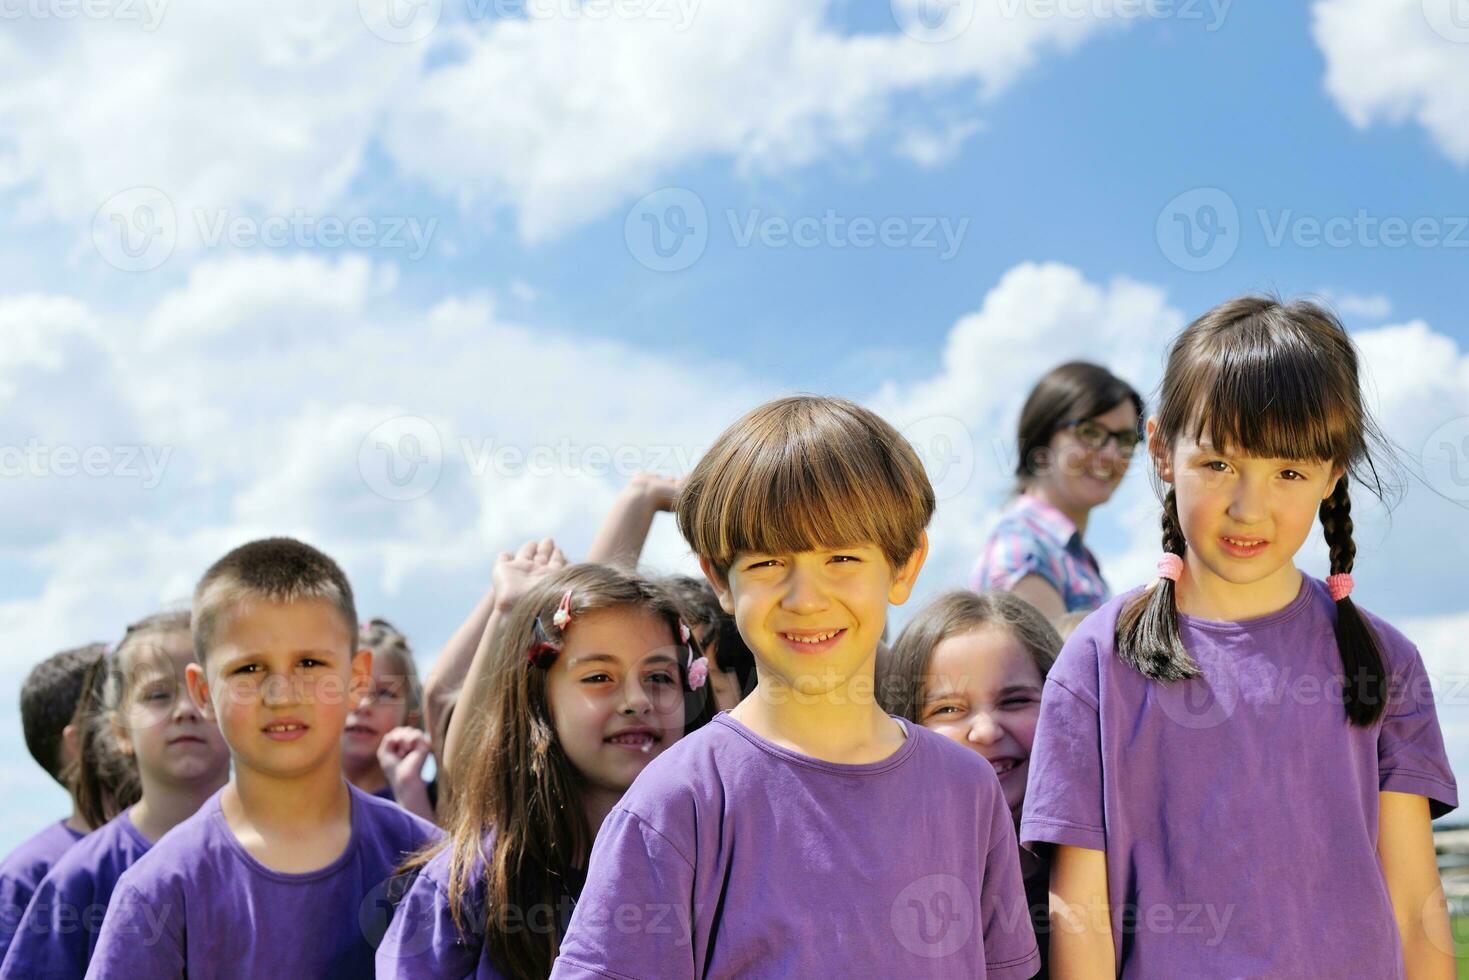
{"points": [[1235, 768]]}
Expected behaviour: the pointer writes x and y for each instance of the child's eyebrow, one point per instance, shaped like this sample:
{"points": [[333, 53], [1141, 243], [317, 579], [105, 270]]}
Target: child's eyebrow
{"points": [[608, 658]]}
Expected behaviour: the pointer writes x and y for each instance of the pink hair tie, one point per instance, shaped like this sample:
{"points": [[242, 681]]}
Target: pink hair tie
{"points": [[1170, 566], [698, 673], [1339, 585]]}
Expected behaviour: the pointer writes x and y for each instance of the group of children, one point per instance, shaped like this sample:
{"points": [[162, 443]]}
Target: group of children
{"points": [[1229, 771]]}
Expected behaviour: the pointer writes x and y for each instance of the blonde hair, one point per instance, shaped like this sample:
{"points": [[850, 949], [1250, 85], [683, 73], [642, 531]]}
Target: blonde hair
{"points": [[273, 570], [801, 473], [387, 644]]}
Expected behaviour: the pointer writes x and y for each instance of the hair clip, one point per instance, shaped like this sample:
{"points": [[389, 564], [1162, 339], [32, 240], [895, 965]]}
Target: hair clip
{"points": [[1170, 566], [542, 652], [563, 612], [698, 668], [1339, 585]]}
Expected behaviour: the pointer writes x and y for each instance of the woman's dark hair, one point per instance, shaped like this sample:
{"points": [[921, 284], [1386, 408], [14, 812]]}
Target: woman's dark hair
{"points": [[1280, 381], [701, 608], [1074, 391]]}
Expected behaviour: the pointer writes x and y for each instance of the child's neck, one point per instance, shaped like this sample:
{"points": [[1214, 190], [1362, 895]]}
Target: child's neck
{"points": [[164, 806], [839, 727], [368, 777], [270, 806], [1204, 595], [78, 822]]}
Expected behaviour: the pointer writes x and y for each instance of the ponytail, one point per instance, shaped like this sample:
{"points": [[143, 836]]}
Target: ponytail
{"points": [[1147, 626], [1364, 682]]}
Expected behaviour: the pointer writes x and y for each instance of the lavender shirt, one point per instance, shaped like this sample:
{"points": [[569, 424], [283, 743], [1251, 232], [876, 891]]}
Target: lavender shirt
{"points": [[21, 873], [1238, 810], [423, 941], [731, 856], [58, 933], [200, 905]]}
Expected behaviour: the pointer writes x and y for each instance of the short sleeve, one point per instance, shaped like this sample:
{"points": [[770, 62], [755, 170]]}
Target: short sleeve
{"points": [[1410, 747], [1063, 795], [142, 936], [634, 918], [1011, 555], [57, 932], [422, 941], [1010, 949]]}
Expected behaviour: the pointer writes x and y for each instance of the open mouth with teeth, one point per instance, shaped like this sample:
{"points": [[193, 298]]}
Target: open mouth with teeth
{"points": [[641, 740], [1242, 547], [285, 731], [1003, 766], [812, 640]]}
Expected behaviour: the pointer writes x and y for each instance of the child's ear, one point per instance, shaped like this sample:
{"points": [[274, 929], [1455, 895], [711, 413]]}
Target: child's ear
{"points": [[720, 585], [69, 744], [902, 586], [1336, 474], [361, 675], [1162, 459], [198, 685], [121, 733]]}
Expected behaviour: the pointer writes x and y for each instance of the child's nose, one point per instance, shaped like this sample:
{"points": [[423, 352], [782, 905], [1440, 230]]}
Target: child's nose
{"points": [[984, 729], [804, 595], [635, 699], [1248, 505]]}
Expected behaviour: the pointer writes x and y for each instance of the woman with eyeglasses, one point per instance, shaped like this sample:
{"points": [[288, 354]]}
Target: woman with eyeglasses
{"points": [[1077, 434]]}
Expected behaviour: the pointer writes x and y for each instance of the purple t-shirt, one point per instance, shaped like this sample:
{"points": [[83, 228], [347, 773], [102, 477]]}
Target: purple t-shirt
{"points": [[1238, 809], [200, 905], [21, 873], [423, 942], [58, 933], [731, 856]]}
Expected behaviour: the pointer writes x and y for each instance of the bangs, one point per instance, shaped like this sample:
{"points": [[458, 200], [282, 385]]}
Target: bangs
{"points": [[809, 481], [1266, 393]]}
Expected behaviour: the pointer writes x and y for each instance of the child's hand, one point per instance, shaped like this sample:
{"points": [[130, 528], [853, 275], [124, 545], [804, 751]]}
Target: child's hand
{"points": [[402, 753], [659, 491], [514, 574]]}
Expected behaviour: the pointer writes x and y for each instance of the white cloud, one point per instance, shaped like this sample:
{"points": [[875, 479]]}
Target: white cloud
{"points": [[1398, 61], [1354, 306]]}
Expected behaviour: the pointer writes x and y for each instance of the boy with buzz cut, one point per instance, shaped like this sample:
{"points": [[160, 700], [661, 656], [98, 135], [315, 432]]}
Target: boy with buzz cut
{"points": [[282, 872], [48, 699], [806, 832]]}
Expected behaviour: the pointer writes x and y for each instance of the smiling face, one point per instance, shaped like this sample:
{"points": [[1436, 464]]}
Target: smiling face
{"points": [[615, 694], [813, 619], [1244, 517], [383, 708], [983, 690], [159, 725], [1081, 477], [281, 679]]}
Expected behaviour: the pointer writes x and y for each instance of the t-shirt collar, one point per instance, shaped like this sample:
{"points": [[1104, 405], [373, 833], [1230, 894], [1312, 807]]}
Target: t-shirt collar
{"points": [[1055, 524]]}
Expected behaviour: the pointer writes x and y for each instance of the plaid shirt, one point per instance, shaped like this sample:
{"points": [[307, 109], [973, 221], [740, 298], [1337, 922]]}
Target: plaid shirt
{"points": [[1034, 538]]}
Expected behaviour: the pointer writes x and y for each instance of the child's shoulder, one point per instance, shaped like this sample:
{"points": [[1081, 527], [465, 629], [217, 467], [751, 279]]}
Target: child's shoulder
{"points": [[387, 821], [1090, 648], [115, 842]]}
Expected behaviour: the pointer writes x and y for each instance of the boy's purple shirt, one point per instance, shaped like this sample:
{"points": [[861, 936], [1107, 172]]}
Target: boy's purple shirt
{"points": [[731, 856], [22, 870], [1238, 810], [200, 905], [58, 933]]}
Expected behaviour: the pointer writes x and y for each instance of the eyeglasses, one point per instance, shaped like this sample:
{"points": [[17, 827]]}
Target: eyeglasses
{"points": [[1094, 435]]}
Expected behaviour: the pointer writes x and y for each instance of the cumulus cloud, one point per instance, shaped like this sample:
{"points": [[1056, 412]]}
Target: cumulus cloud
{"points": [[1418, 53]]}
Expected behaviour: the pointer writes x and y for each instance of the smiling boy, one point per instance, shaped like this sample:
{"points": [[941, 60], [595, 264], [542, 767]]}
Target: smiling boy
{"points": [[276, 873], [806, 832]]}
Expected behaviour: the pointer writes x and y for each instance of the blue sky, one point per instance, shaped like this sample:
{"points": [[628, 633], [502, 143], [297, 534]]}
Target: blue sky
{"points": [[1053, 148]]}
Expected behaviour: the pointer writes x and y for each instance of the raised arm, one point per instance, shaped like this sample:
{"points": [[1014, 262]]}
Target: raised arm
{"points": [[446, 676], [513, 574], [1081, 923], [620, 539], [1410, 869]]}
